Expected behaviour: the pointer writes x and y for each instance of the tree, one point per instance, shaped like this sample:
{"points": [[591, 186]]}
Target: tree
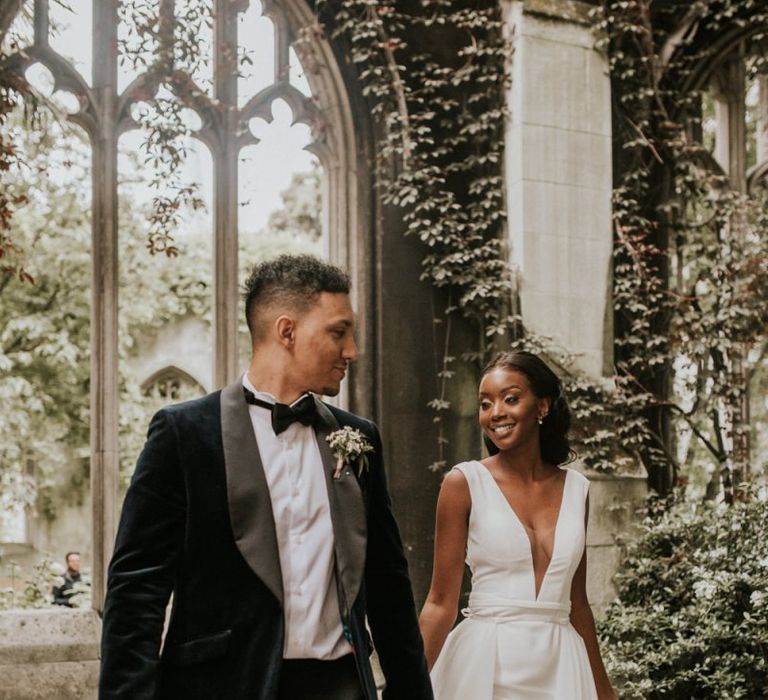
{"points": [[301, 204]]}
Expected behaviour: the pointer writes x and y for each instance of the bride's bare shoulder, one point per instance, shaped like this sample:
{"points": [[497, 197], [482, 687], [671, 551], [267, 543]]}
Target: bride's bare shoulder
{"points": [[455, 485]]}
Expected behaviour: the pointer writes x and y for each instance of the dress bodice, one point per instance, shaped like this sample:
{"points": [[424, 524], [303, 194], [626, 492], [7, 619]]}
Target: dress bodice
{"points": [[499, 549], [514, 645]]}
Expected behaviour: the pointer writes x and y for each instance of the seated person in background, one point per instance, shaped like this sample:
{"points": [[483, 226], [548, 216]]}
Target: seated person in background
{"points": [[62, 594]]}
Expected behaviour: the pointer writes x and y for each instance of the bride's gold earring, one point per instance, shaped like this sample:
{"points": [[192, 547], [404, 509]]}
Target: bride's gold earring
{"points": [[541, 419]]}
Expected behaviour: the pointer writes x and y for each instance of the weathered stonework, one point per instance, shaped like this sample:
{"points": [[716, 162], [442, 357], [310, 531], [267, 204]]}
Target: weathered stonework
{"points": [[559, 177], [614, 504], [49, 654]]}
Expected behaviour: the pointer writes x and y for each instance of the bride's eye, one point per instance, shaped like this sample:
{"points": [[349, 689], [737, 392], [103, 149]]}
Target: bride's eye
{"points": [[511, 399], [485, 405]]}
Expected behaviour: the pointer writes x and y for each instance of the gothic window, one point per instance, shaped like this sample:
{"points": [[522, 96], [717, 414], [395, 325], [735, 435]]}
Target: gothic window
{"points": [[732, 126], [230, 114]]}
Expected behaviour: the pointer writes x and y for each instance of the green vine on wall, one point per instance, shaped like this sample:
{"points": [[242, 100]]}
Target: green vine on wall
{"points": [[168, 47], [13, 93], [673, 327], [451, 188], [443, 114], [691, 269], [433, 72]]}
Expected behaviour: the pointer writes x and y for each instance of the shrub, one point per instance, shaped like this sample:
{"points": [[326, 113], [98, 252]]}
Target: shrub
{"points": [[691, 616]]}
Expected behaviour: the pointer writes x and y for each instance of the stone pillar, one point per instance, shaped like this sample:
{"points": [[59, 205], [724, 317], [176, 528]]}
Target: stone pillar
{"points": [[614, 506], [559, 176], [762, 119]]}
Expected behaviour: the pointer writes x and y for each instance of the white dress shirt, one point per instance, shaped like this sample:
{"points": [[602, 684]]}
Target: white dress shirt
{"points": [[299, 495]]}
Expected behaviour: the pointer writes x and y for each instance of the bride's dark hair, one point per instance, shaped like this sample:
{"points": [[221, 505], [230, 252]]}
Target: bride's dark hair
{"points": [[545, 384]]}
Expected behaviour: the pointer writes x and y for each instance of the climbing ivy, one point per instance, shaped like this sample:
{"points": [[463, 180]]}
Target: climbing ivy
{"points": [[690, 274], [691, 268], [441, 104], [690, 252]]}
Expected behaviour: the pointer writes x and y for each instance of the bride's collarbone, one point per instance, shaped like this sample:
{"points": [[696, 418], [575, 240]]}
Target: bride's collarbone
{"points": [[537, 504]]}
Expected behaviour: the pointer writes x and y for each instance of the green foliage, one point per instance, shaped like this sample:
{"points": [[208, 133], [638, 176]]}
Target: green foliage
{"points": [[299, 214], [690, 250], [44, 327], [34, 590], [691, 616], [434, 75]]}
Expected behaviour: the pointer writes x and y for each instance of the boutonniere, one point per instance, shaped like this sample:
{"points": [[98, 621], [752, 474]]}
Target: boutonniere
{"points": [[349, 444]]}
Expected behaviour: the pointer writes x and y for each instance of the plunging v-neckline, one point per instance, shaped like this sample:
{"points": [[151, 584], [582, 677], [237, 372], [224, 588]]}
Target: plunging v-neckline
{"points": [[524, 529]]}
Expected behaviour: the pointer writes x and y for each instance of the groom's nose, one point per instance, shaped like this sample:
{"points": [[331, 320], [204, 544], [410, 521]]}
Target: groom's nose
{"points": [[349, 351]]}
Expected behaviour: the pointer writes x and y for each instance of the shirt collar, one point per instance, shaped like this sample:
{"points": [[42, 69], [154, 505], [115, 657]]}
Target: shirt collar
{"points": [[265, 395]]}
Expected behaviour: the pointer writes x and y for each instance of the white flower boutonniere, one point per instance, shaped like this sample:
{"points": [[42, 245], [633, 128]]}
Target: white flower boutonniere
{"points": [[348, 445]]}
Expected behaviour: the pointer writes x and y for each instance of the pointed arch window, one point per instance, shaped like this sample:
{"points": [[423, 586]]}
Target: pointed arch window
{"points": [[102, 105], [171, 384]]}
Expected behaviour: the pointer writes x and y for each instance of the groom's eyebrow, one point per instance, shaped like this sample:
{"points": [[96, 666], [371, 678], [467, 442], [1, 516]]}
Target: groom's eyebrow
{"points": [[345, 322]]}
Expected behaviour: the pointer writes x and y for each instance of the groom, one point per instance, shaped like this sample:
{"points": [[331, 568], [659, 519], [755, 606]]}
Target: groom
{"points": [[274, 556]]}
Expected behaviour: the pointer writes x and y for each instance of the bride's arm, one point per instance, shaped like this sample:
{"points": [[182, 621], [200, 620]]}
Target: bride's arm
{"points": [[439, 611], [584, 623]]}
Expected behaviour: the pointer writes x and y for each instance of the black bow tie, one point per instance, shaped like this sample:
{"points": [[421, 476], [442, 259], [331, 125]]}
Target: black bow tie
{"points": [[304, 411]]}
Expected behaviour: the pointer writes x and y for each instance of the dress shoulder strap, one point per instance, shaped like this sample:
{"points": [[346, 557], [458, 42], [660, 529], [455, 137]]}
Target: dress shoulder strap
{"points": [[471, 474], [580, 482]]}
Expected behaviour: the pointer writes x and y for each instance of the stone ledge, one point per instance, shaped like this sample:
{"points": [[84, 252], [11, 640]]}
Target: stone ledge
{"points": [[49, 654], [49, 635], [66, 680], [564, 10]]}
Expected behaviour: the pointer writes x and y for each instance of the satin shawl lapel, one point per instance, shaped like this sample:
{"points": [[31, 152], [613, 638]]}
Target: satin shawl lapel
{"points": [[347, 510], [250, 506]]}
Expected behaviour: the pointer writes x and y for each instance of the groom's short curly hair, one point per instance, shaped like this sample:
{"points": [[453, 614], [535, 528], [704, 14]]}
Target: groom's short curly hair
{"points": [[293, 282]]}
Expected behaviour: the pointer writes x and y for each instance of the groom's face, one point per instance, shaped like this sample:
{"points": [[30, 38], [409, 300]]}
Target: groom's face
{"points": [[325, 344]]}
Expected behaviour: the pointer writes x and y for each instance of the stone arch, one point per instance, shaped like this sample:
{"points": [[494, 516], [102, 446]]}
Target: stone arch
{"points": [[169, 381]]}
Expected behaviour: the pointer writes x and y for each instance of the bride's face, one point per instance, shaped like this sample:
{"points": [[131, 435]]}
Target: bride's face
{"points": [[509, 410]]}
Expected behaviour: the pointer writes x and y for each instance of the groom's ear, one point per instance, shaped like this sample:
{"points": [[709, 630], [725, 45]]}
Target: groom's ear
{"points": [[286, 330]]}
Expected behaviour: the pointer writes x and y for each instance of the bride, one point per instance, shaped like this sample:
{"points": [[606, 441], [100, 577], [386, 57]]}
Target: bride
{"points": [[520, 521]]}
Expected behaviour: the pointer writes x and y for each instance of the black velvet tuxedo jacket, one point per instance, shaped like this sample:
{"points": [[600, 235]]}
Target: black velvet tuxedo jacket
{"points": [[197, 522]]}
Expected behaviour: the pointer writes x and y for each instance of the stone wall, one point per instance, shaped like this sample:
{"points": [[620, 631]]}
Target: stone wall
{"points": [[50, 654], [614, 506], [559, 177]]}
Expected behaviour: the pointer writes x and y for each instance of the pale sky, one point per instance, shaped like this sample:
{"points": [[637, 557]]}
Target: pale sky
{"points": [[266, 169]]}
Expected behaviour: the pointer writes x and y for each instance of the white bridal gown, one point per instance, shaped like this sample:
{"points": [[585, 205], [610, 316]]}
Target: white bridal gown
{"points": [[513, 644]]}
